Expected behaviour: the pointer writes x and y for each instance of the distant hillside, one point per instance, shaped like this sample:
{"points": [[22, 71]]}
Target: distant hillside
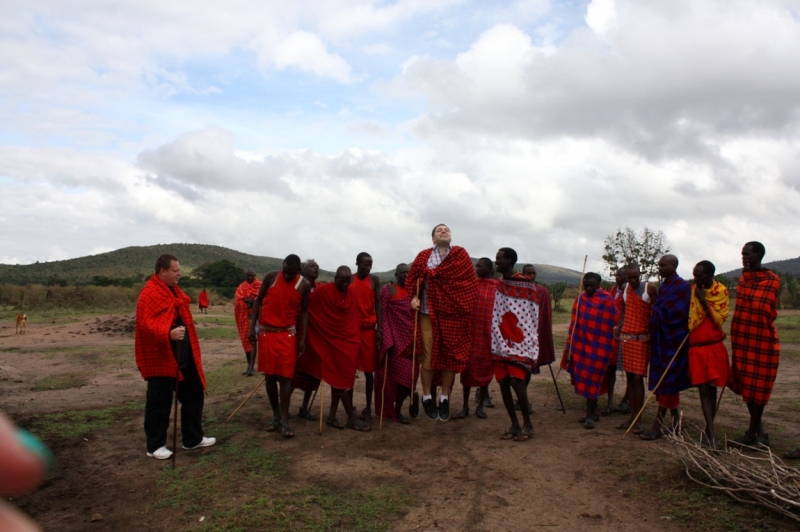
{"points": [[130, 261], [789, 265], [139, 260]]}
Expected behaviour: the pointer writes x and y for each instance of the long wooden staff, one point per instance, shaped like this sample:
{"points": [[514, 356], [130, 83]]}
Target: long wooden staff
{"points": [[321, 403], [383, 390], [653, 391], [178, 346], [719, 401], [414, 347], [569, 354], [246, 399]]}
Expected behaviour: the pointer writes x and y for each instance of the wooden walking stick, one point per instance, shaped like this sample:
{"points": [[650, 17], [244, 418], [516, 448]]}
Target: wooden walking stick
{"points": [[383, 391], [414, 347], [246, 399], [178, 347], [572, 336], [719, 401], [653, 391], [321, 403]]}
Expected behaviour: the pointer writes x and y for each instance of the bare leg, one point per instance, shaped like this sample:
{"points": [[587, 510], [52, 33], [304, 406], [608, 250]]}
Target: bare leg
{"points": [[348, 408], [286, 392], [464, 409], [272, 394], [448, 378], [612, 381], [336, 395], [483, 394], [521, 389], [636, 396], [708, 402], [756, 426], [427, 380], [508, 401], [401, 394], [366, 414]]}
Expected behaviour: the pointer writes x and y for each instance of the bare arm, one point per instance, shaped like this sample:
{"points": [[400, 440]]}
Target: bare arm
{"points": [[305, 288]]}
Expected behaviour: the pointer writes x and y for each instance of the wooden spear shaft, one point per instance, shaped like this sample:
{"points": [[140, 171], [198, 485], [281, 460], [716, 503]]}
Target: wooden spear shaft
{"points": [[246, 399], [383, 390], [321, 404], [414, 347], [653, 391]]}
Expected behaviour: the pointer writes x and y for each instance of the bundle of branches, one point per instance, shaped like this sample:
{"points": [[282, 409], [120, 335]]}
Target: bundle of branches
{"points": [[759, 477]]}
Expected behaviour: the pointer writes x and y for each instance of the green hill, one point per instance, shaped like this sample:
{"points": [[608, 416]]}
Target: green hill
{"points": [[784, 266], [139, 261]]}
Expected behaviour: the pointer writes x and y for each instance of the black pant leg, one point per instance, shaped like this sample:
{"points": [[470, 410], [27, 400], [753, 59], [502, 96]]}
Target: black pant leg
{"points": [[156, 411], [192, 397]]}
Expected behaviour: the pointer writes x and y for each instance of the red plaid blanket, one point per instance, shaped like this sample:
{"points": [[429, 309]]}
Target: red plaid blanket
{"points": [[242, 313], [590, 341], [452, 289], [480, 369], [156, 312], [756, 350]]}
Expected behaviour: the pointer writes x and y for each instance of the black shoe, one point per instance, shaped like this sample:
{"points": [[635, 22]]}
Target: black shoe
{"points": [[413, 408], [444, 410], [430, 409]]}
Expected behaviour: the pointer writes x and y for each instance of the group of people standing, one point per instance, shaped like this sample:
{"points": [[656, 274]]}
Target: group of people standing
{"points": [[443, 316]]}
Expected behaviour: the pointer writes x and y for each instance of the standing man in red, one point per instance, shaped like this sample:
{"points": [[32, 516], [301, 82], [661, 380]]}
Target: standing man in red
{"points": [[708, 357], [633, 332], [166, 341], [282, 299], [334, 339], [756, 350], [302, 379], [202, 301], [448, 288], [547, 350], [242, 310], [480, 370], [367, 290]]}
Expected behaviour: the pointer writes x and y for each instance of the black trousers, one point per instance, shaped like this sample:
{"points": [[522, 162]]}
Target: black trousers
{"points": [[159, 404]]}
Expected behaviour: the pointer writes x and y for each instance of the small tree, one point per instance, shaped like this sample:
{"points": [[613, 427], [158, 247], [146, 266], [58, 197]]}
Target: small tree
{"points": [[557, 293], [644, 248]]}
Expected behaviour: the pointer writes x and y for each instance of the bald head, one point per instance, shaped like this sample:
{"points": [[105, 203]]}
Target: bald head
{"points": [[667, 265], [250, 275], [344, 276]]}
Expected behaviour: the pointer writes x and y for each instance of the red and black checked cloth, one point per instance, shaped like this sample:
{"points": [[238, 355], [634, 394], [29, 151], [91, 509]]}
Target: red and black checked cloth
{"points": [[756, 350], [156, 310], [480, 369], [452, 289], [590, 342], [304, 381], [398, 328], [242, 313]]}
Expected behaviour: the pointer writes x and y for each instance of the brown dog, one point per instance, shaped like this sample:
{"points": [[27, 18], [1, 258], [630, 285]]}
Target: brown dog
{"points": [[22, 319]]}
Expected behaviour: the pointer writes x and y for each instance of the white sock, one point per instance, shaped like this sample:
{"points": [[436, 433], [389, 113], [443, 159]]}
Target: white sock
{"points": [[426, 397], [443, 398]]}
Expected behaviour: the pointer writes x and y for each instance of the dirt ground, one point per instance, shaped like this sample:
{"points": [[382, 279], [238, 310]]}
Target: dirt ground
{"points": [[459, 475]]}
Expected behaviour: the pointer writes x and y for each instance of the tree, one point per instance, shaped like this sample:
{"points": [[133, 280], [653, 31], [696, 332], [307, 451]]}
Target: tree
{"points": [[644, 248], [222, 274]]}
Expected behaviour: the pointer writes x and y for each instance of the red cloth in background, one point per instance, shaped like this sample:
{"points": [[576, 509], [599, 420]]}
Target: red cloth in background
{"points": [[242, 313], [202, 299], [480, 369]]}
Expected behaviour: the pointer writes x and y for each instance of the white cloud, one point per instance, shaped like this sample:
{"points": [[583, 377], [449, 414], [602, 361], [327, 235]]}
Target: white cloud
{"points": [[306, 52], [601, 16]]}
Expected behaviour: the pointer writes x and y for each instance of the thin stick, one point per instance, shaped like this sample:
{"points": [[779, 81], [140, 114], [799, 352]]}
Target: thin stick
{"points": [[550, 392], [321, 404], [383, 391], [414, 347], [313, 396], [246, 399], [719, 401], [653, 391], [175, 418], [569, 353], [564, 410]]}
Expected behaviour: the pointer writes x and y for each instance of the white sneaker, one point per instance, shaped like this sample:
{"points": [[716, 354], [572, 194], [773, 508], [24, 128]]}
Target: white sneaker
{"points": [[205, 442], [161, 453]]}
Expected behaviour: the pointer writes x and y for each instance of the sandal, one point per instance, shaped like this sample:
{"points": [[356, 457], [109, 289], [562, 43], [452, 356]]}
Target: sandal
{"points": [[651, 435], [524, 435], [510, 434], [464, 412], [359, 426], [480, 413], [593, 418], [274, 425], [625, 408], [305, 414], [402, 420], [286, 431], [333, 422], [588, 423], [606, 411], [793, 455]]}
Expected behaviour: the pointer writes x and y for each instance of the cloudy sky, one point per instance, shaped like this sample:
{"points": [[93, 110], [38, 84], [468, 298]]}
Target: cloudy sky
{"points": [[329, 128]]}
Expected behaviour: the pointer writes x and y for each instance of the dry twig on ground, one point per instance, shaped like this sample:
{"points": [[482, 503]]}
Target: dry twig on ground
{"points": [[757, 477]]}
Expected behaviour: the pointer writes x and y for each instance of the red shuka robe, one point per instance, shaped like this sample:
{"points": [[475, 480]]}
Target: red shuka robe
{"points": [[202, 299], [242, 313]]}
